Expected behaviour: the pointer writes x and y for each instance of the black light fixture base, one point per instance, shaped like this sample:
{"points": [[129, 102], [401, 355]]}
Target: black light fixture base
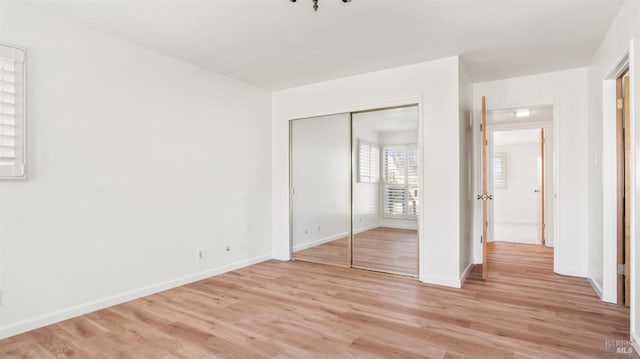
{"points": [[315, 3]]}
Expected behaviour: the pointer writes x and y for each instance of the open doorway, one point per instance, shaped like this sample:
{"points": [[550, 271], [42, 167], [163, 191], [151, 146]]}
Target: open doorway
{"points": [[519, 175], [518, 186]]}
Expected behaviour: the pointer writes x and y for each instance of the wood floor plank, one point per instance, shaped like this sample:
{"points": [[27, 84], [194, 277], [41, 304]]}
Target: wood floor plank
{"points": [[305, 310]]}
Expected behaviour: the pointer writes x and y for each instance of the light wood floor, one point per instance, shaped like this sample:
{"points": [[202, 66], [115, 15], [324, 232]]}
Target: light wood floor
{"points": [[383, 249], [302, 310]]}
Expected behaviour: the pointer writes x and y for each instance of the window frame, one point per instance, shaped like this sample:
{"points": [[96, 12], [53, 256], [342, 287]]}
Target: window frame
{"points": [[22, 120]]}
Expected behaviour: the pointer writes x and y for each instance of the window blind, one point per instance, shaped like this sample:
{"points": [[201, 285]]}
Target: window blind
{"points": [[412, 179], [12, 113], [368, 162], [400, 188]]}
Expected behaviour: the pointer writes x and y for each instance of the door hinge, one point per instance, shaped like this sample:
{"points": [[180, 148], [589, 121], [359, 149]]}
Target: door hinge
{"points": [[480, 239], [621, 268], [620, 103]]}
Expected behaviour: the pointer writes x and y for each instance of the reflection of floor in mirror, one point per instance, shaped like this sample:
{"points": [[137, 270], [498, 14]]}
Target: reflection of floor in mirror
{"points": [[383, 249]]}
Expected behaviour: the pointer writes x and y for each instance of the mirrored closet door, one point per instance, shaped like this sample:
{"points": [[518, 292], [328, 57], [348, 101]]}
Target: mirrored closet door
{"points": [[385, 190], [320, 189], [354, 190]]}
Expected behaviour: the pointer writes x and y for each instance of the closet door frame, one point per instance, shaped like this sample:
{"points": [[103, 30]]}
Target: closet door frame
{"points": [[415, 101]]}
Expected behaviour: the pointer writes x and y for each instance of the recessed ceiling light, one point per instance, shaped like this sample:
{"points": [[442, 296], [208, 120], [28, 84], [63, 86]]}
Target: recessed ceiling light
{"points": [[523, 113]]}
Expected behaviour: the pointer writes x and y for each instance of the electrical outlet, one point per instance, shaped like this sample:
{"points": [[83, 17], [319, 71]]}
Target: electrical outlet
{"points": [[200, 254]]}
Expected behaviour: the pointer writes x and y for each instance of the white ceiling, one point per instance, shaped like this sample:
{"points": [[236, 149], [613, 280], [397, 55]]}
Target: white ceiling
{"points": [[536, 113], [516, 137], [278, 44], [397, 119]]}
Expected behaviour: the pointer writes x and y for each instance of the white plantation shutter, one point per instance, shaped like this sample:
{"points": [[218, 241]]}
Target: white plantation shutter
{"points": [[375, 163], [394, 180], [368, 162], [12, 113], [400, 163], [412, 179], [499, 170], [364, 162]]}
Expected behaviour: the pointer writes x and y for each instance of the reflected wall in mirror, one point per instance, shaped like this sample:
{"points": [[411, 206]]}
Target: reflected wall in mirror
{"points": [[320, 189], [385, 190]]}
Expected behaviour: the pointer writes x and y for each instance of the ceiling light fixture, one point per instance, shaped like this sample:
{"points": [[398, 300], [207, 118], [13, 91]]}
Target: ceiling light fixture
{"points": [[315, 3], [523, 113]]}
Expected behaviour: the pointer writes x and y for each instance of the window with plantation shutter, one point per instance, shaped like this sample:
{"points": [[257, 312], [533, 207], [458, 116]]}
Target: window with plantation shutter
{"points": [[12, 113], [400, 187], [368, 162]]}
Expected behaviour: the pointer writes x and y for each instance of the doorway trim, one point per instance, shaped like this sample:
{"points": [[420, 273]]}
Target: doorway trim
{"points": [[610, 177], [555, 158]]}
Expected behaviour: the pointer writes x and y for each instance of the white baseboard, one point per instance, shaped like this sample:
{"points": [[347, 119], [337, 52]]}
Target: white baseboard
{"points": [[64, 314], [466, 272], [446, 282], [635, 342], [320, 241], [595, 287], [281, 256], [366, 228], [399, 224], [569, 271]]}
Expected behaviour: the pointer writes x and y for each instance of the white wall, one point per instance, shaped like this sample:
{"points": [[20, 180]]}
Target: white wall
{"points": [[435, 86], [466, 146], [135, 161], [566, 90], [601, 158], [320, 175], [516, 205], [399, 137]]}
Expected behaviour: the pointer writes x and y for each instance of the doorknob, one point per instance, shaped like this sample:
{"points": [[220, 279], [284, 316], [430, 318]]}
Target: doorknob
{"points": [[536, 190]]}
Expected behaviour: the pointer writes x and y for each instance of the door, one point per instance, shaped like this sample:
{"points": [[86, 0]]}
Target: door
{"points": [[623, 134], [484, 197], [320, 189], [627, 191], [541, 190], [385, 190]]}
